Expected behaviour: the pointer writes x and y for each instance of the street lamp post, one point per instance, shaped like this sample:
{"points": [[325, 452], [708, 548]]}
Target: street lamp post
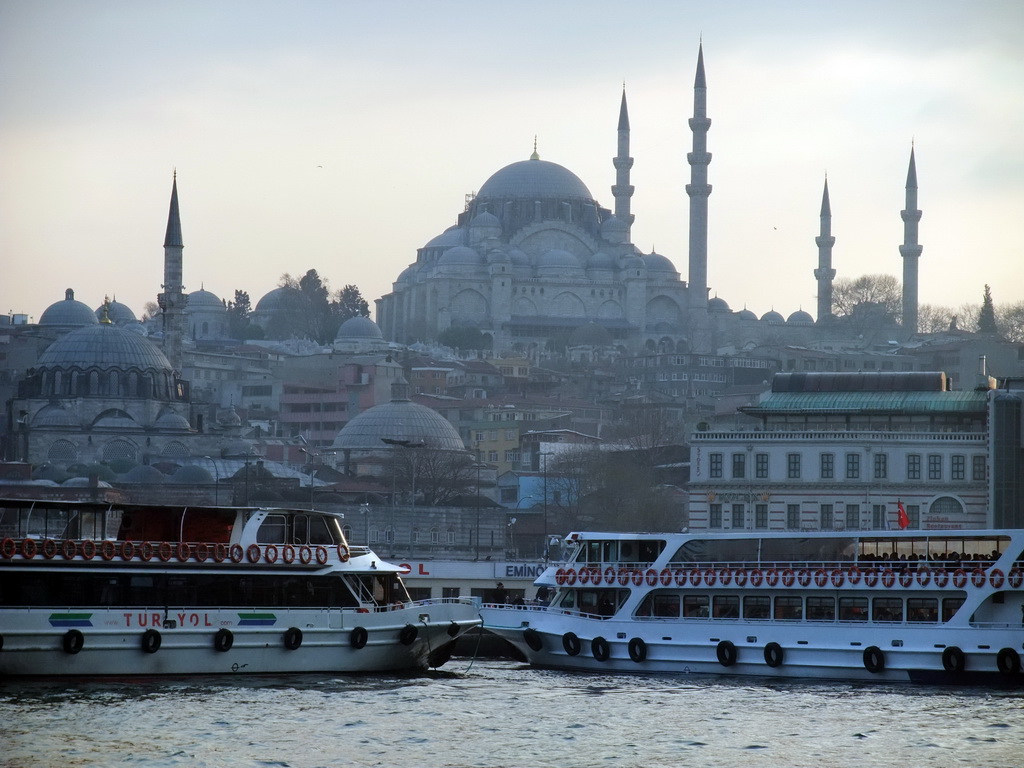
{"points": [[395, 445], [216, 484], [544, 469], [314, 456]]}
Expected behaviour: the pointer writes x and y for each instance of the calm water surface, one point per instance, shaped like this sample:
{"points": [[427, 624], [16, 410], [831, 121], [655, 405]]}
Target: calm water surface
{"points": [[498, 713]]}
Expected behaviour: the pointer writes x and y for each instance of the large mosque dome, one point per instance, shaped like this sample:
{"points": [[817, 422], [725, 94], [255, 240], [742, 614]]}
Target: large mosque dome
{"points": [[534, 179], [103, 346], [69, 313]]}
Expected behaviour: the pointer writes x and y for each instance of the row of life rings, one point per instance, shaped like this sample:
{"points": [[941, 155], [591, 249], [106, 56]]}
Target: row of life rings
{"points": [[166, 551], [786, 577]]}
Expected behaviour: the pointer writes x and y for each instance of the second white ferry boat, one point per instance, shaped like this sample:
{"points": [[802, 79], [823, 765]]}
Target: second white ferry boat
{"points": [[923, 606]]}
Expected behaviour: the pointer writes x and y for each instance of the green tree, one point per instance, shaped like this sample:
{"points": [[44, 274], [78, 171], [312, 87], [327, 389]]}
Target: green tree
{"points": [[464, 338], [239, 311], [349, 302], [987, 315]]}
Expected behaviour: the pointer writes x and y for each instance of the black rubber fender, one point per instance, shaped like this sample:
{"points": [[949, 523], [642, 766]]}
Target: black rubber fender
{"points": [[726, 652], [358, 638], [223, 640], [151, 641], [453, 629], [953, 660], [1008, 661], [774, 655], [600, 648], [874, 659], [292, 638], [533, 639], [408, 634], [637, 650], [571, 643], [73, 641]]}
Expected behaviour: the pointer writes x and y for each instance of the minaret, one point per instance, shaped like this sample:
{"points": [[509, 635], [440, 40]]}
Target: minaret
{"points": [[824, 274], [698, 189], [910, 250], [623, 190], [172, 299]]}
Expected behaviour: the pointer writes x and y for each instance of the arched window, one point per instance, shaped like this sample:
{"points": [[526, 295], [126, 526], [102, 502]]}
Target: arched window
{"points": [[62, 450], [947, 507], [120, 449], [94, 382], [174, 450]]}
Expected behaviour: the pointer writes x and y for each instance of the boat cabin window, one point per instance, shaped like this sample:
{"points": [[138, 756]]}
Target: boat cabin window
{"points": [[922, 609], [596, 602], [937, 547], [695, 606], [40, 520], [789, 608], [887, 609], [950, 605], [642, 552], [273, 530], [315, 529], [821, 609], [660, 605], [726, 607], [756, 607], [853, 609]]}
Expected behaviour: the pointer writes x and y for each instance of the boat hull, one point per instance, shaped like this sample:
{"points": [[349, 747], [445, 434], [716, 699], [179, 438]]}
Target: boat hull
{"points": [[87, 641], [901, 653]]}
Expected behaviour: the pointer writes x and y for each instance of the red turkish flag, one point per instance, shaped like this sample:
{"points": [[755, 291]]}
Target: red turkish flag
{"points": [[902, 518]]}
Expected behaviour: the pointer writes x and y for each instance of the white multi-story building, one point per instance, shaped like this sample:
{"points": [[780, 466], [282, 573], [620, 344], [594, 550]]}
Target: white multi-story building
{"points": [[840, 451]]}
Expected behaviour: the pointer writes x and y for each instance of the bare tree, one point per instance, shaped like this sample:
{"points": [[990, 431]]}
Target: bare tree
{"points": [[1011, 321], [884, 290], [435, 476]]}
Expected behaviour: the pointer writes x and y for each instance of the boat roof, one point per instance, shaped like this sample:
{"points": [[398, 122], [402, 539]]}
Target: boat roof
{"points": [[908, 533]]}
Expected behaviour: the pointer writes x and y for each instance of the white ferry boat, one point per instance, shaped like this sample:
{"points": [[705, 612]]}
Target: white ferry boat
{"points": [[91, 588], [923, 606]]}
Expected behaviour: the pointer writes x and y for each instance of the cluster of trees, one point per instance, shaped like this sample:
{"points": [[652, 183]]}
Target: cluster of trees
{"points": [[308, 309], [851, 296]]}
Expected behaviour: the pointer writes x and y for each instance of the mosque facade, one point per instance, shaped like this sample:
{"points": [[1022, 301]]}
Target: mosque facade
{"points": [[534, 256]]}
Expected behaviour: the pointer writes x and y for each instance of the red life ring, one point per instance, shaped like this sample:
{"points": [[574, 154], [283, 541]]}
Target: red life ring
{"points": [[941, 578], [49, 549], [184, 551], [88, 549], [146, 551], [321, 554], [710, 577], [270, 553], [595, 575], [1015, 578], [771, 577], [343, 553], [584, 575], [820, 577], [680, 577], [570, 576], [803, 577], [127, 550], [28, 548], [870, 577], [995, 578], [8, 548], [854, 575], [978, 577], [959, 578], [108, 549], [165, 551], [725, 576], [202, 551], [637, 577], [695, 577], [652, 577], [235, 553], [68, 549], [740, 577], [838, 578], [666, 577], [888, 577], [623, 576], [252, 554], [924, 576], [906, 578], [220, 552], [305, 554], [756, 577], [788, 577], [560, 576], [288, 554]]}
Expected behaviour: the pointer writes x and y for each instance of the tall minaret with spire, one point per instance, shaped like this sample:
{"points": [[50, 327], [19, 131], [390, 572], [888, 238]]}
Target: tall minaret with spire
{"points": [[172, 298], [623, 190], [911, 249], [698, 189], [825, 274]]}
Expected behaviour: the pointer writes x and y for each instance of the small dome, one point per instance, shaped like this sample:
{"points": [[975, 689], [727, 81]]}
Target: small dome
{"points": [[279, 298], [658, 263], [202, 299], [600, 260], [800, 318], [52, 416], [68, 312], [534, 180], [170, 420], [452, 236], [104, 346], [116, 419], [229, 418], [460, 255], [485, 220], [772, 317], [359, 327], [116, 312], [718, 305], [556, 257], [518, 257], [143, 475], [746, 314], [590, 335], [633, 261], [613, 224], [191, 474]]}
